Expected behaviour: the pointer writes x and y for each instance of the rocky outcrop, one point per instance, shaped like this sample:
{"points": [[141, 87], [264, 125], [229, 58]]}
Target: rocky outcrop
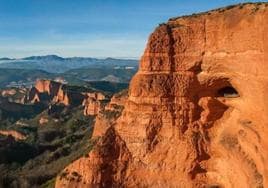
{"points": [[15, 134], [44, 91], [105, 120], [196, 113], [47, 86], [16, 95], [117, 101], [93, 103], [47, 91], [43, 121], [8, 92], [51, 92]]}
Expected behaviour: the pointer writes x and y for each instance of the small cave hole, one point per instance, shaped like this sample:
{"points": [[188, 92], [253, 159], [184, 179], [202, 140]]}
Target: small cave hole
{"points": [[228, 92]]}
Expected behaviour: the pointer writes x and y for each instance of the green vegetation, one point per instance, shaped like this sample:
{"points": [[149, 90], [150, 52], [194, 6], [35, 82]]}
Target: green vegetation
{"points": [[108, 87], [11, 112], [49, 183], [63, 135], [77, 89], [21, 76], [47, 150], [98, 74], [77, 77]]}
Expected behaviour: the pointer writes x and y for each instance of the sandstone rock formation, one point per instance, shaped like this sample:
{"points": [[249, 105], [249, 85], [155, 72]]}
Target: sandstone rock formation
{"points": [[8, 92], [43, 91], [93, 103], [15, 134], [43, 120], [46, 91], [16, 95], [107, 118], [117, 101], [51, 92], [196, 113]]}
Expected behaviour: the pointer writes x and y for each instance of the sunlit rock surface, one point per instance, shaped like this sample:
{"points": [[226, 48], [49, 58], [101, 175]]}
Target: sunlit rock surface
{"points": [[197, 110]]}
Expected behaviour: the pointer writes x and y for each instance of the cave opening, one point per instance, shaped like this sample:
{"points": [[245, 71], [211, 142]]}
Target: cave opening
{"points": [[228, 92]]}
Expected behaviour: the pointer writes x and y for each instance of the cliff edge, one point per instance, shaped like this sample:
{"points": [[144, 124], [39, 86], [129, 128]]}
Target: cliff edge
{"points": [[196, 114]]}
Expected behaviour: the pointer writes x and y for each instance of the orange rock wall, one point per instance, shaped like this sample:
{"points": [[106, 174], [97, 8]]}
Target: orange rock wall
{"points": [[15, 134], [92, 103], [50, 91], [48, 86], [179, 128]]}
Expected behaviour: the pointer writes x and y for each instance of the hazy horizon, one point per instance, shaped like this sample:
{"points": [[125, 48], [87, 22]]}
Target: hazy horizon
{"points": [[98, 57], [100, 29]]}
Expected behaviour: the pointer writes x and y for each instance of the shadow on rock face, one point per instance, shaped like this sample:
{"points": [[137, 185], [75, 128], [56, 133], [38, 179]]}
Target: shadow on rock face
{"points": [[199, 78]]}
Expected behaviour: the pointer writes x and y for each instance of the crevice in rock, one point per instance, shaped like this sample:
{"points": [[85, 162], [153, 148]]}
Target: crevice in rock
{"points": [[115, 158], [211, 110], [172, 70], [197, 170], [152, 131], [171, 49]]}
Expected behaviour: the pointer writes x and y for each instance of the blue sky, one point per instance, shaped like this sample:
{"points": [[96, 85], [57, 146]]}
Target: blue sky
{"points": [[89, 28]]}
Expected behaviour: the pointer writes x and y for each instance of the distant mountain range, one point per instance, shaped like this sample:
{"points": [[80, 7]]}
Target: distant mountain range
{"points": [[56, 64], [5, 59], [75, 70]]}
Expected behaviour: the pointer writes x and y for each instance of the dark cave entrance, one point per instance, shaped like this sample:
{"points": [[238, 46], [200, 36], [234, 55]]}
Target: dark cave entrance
{"points": [[228, 92]]}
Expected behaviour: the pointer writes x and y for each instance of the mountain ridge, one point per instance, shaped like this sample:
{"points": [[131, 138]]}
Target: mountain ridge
{"points": [[57, 64], [54, 56]]}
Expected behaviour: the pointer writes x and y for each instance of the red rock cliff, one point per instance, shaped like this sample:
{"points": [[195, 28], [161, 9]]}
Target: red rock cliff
{"points": [[15, 134], [43, 91], [49, 91], [92, 103], [196, 114]]}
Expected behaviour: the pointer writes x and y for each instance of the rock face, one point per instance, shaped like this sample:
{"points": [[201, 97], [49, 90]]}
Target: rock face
{"points": [[43, 120], [8, 92], [51, 92], [92, 103], [46, 91], [14, 95], [43, 91], [117, 101], [15, 134], [196, 114]]}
